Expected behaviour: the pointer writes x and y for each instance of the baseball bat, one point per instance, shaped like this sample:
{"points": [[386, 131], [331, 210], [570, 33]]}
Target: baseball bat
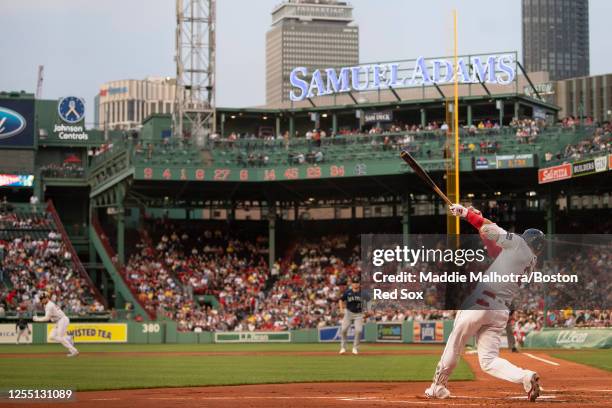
{"points": [[407, 157]]}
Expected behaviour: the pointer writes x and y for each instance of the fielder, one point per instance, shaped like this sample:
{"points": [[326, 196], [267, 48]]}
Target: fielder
{"points": [[351, 305], [54, 314], [22, 329], [487, 314]]}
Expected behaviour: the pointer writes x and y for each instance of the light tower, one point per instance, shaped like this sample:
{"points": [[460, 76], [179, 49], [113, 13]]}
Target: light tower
{"points": [[194, 108]]}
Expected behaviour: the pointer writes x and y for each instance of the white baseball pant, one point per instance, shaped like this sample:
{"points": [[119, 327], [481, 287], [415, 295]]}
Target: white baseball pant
{"points": [[487, 326], [349, 317], [59, 334]]}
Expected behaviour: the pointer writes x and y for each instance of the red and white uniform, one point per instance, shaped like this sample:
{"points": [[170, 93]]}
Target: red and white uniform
{"points": [[54, 314], [511, 255], [488, 323]]}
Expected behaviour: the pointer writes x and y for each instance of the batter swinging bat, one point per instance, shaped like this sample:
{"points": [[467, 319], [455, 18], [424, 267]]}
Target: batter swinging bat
{"points": [[423, 175]]}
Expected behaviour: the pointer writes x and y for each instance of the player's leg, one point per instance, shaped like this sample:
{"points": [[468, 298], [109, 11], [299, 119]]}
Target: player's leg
{"points": [[61, 330], [18, 336], [467, 323], [358, 329], [488, 342], [346, 323]]}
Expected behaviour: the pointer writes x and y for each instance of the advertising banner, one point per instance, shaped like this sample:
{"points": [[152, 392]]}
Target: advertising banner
{"points": [[590, 166], [252, 337], [332, 333], [428, 332], [577, 338], [483, 163], [17, 123], [513, 161], [555, 173], [389, 332], [379, 116], [16, 180], [94, 332], [8, 334]]}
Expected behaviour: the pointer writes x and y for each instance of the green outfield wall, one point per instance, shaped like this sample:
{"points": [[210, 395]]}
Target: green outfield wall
{"points": [[434, 332], [571, 339]]}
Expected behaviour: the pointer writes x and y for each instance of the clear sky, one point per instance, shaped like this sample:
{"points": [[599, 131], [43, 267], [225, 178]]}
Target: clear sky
{"points": [[84, 43]]}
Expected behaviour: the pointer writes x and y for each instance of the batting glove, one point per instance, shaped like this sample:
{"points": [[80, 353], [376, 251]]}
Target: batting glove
{"points": [[458, 210]]}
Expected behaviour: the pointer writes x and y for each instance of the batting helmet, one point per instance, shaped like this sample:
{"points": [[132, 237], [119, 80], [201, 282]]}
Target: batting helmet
{"points": [[535, 239]]}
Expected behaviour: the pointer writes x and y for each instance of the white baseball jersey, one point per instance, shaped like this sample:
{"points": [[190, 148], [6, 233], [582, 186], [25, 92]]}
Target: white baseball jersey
{"points": [[52, 313], [515, 258]]}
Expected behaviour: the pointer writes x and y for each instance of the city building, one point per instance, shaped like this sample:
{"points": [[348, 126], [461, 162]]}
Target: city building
{"points": [[556, 37], [589, 96], [315, 34], [124, 104]]}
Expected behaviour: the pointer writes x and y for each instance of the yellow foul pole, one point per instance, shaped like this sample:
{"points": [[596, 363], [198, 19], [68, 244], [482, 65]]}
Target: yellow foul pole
{"points": [[456, 122]]}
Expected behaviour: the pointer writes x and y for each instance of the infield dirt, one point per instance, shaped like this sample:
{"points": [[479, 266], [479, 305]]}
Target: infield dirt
{"points": [[567, 385]]}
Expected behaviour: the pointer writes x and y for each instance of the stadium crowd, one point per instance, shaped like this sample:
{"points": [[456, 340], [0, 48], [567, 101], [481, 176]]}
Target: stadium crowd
{"points": [[30, 266], [212, 281]]}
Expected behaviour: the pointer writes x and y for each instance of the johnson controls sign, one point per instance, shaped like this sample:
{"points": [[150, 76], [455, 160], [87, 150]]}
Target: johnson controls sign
{"points": [[489, 69]]}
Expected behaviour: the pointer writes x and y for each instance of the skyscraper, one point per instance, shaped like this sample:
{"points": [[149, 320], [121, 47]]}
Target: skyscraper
{"points": [[315, 34], [556, 37]]}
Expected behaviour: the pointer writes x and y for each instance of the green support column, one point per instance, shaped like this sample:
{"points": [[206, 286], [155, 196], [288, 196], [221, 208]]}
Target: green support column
{"points": [[278, 126], [105, 284], [121, 234], [119, 196], [550, 215], [517, 109], [291, 126], [423, 118], [271, 235], [501, 112], [334, 123], [469, 115], [92, 248], [38, 189], [550, 230], [406, 207]]}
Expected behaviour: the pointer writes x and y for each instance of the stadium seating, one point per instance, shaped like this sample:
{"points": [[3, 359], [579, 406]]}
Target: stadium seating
{"points": [[426, 145], [36, 256]]}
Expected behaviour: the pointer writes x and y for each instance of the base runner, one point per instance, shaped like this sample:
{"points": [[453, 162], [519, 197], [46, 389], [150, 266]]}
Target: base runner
{"points": [[54, 314], [351, 304], [517, 254]]}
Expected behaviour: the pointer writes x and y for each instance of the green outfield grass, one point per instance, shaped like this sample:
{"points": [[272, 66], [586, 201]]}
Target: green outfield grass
{"points": [[595, 358], [114, 369]]}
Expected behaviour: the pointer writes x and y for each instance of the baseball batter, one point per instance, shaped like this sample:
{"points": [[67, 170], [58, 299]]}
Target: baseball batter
{"points": [[54, 314], [487, 309], [351, 304]]}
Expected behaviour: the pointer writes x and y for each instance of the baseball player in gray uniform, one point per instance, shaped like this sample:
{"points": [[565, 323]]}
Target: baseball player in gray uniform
{"points": [[351, 304]]}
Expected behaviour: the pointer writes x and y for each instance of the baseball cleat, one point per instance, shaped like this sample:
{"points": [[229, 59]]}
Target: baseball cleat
{"points": [[355, 352], [342, 350], [437, 391], [76, 353], [534, 390], [514, 350]]}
